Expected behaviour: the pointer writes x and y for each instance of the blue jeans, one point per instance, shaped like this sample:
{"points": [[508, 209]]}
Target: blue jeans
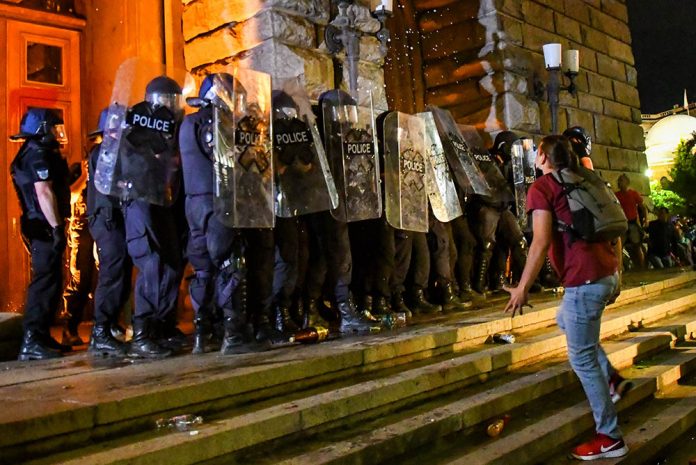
{"points": [[580, 318]]}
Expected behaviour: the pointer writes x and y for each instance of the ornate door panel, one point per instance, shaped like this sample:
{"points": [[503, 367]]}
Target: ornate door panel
{"points": [[42, 71]]}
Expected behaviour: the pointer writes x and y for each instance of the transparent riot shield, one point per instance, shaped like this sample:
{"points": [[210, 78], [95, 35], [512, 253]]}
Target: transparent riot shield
{"points": [[442, 192], [243, 168], [406, 195], [499, 188], [351, 147], [304, 180], [139, 159], [524, 175], [466, 171]]}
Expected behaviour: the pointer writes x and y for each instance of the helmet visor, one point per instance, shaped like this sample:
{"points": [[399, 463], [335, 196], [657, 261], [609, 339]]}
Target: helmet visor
{"points": [[285, 112], [175, 102]]}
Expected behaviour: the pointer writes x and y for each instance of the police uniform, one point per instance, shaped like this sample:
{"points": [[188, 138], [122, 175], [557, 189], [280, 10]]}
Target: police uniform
{"points": [[153, 243], [107, 228], [39, 160]]}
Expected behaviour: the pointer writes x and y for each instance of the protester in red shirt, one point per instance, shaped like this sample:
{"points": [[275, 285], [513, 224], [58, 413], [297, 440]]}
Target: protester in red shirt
{"points": [[589, 272], [636, 213]]}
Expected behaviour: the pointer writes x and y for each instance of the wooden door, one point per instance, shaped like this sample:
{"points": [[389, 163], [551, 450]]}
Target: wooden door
{"points": [[42, 71]]}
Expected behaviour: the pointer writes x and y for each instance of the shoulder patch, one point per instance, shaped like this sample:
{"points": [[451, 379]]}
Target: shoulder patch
{"points": [[42, 174]]}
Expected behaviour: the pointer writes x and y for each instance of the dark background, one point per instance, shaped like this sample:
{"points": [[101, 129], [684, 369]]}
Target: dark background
{"points": [[664, 46]]}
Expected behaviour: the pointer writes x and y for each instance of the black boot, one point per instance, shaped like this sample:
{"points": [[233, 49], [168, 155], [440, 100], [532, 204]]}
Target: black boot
{"points": [[312, 315], [498, 282], [235, 340], [283, 321], [265, 333], [104, 344], [202, 336], [420, 305], [168, 335], [368, 304], [34, 347], [450, 301], [480, 281], [399, 305], [351, 320], [142, 344]]}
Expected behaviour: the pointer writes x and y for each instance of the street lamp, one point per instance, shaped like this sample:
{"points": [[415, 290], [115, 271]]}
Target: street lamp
{"points": [[571, 66], [343, 33]]}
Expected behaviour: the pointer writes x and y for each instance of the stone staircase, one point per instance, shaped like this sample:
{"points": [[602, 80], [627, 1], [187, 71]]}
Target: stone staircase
{"points": [[420, 395]]}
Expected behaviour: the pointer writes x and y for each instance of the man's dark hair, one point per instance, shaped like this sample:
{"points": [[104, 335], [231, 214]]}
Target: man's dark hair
{"points": [[558, 149]]}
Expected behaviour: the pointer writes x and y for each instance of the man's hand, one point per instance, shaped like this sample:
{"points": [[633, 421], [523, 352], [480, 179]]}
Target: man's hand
{"points": [[59, 237], [518, 299]]}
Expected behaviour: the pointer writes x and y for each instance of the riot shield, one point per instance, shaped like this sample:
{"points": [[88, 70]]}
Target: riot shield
{"points": [[138, 159], [351, 147], [242, 148], [442, 192], [524, 175], [406, 199], [466, 170], [499, 188], [304, 180]]}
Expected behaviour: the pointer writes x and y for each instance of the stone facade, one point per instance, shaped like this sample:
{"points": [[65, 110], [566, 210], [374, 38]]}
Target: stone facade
{"points": [[489, 80], [283, 38], [480, 59]]}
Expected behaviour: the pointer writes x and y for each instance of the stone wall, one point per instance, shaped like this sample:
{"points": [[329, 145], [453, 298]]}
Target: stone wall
{"points": [[478, 58], [488, 79], [607, 103], [281, 37]]}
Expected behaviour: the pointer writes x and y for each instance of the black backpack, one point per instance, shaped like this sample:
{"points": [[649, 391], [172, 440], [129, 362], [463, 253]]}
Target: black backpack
{"points": [[597, 213]]}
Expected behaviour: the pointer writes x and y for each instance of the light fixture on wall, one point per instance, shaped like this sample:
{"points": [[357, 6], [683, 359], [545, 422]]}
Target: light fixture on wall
{"points": [[570, 66], [343, 32]]}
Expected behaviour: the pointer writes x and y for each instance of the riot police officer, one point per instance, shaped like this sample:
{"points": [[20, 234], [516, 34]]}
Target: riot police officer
{"points": [[333, 238], [107, 228], [216, 251], [41, 179], [151, 233]]}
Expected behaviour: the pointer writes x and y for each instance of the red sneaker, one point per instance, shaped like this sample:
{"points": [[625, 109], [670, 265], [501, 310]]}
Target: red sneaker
{"points": [[618, 387], [600, 447]]}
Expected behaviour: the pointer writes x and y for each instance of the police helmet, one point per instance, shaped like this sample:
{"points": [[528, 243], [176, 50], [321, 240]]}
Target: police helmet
{"points": [[344, 107], [43, 124], [217, 89], [284, 106], [580, 140], [164, 91], [503, 144]]}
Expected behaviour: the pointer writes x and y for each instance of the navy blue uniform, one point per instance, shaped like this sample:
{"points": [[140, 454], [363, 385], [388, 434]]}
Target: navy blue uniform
{"points": [[39, 163], [108, 229]]}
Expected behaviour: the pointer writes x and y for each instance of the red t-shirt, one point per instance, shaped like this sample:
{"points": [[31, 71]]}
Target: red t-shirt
{"points": [[578, 262], [629, 202]]}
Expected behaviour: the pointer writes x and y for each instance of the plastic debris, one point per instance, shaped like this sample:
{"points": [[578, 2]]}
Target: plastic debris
{"points": [[504, 338], [394, 320], [179, 422], [496, 427]]}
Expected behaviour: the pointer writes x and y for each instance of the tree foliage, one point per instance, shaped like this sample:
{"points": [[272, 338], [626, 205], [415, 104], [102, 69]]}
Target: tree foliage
{"points": [[666, 198], [684, 171]]}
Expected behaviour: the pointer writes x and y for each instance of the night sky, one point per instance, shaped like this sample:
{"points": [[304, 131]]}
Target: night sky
{"points": [[664, 45]]}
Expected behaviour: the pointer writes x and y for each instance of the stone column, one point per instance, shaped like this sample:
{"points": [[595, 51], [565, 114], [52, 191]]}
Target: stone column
{"points": [[281, 37]]}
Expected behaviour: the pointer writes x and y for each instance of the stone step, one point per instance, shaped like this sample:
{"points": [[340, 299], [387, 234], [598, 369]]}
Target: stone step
{"points": [[380, 444], [557, 431], [325, 409]]}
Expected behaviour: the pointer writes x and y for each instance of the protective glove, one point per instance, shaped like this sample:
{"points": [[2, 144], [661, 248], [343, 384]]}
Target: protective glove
{"points": [[59, 237]]}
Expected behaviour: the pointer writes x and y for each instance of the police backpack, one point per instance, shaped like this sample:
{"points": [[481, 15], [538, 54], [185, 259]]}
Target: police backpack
{"points": [[597, 213]]}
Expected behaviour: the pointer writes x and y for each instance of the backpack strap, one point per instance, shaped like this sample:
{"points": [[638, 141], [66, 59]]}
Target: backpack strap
{"points": [[567, 188]]}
